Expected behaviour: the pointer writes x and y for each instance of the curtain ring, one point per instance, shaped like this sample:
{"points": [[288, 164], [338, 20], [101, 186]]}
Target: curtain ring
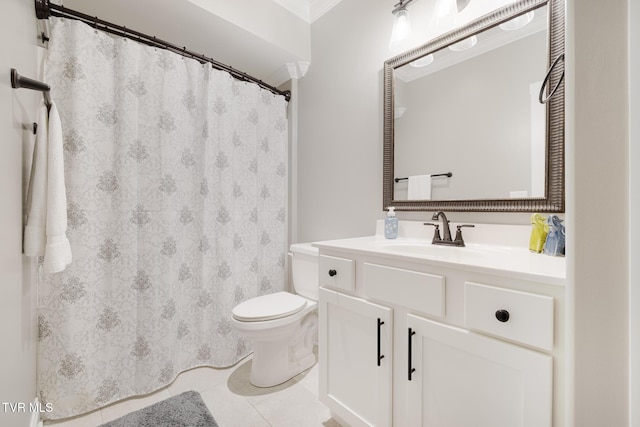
{"points": [[546, 81]]}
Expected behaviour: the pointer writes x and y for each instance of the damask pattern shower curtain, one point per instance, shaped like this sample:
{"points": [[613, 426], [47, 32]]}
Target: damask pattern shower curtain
{"points": [[176, 181]]}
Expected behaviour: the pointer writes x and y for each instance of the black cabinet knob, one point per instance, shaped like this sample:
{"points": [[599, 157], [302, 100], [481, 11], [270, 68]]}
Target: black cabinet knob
{"points": [[332, 273], [502, 315]]}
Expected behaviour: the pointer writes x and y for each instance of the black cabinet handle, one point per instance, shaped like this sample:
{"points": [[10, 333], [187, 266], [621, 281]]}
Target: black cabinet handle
{"points": [[332, 273], [502, 315], [411, 370], [380, 356]]}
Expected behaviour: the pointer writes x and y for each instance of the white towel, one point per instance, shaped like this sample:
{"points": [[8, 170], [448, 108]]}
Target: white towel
{"points": [[47, 225], [35, 237], [57, 254], [419, 187]]}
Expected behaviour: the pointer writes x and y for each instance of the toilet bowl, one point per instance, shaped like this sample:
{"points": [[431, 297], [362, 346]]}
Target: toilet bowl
{"points": [[283, 326]]}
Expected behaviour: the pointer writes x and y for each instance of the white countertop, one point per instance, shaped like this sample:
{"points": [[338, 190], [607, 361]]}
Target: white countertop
{"points": [[516, 262]]}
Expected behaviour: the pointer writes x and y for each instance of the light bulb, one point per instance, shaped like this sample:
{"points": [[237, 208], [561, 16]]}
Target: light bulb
{"points": [[465, 44], [400, 32], [422, 62], [518, 22], [444, 16], [445, 8]]}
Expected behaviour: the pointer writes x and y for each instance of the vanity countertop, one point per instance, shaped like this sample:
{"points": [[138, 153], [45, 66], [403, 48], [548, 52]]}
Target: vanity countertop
{"points": [[515, 262]]}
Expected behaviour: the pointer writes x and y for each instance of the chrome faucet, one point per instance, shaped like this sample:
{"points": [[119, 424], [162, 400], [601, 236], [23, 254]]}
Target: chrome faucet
{"points": [[446, 239]]}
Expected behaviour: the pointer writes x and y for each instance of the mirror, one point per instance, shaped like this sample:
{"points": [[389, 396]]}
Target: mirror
{"points": [[464, 128]]}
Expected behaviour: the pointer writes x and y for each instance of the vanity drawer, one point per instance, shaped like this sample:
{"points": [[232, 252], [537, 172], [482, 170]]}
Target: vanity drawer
{"points": [[515, 315], [337, 273], [422, 292]]}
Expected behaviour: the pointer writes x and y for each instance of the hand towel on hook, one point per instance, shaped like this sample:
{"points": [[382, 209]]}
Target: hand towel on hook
{"points": [[419, 187], [47, 219]]}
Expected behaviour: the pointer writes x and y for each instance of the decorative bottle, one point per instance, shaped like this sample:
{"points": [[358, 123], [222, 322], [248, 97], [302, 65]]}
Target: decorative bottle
{"points": [[391, 224], [554, 244], [538, 233]]}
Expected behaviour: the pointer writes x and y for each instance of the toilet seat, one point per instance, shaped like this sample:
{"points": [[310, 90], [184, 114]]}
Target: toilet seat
{"points": [[269, 307]]}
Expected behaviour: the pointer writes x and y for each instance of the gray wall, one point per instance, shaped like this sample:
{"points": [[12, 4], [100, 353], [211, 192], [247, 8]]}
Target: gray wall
{"points": [[340, 133], [17, 295]]}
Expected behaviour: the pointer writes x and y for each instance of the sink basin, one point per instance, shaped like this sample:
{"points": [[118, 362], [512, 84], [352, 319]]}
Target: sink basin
{"points": [[427, 249]]}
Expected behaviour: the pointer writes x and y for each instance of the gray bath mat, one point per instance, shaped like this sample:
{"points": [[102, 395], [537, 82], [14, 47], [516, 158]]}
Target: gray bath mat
{"points": [[184, 410]]}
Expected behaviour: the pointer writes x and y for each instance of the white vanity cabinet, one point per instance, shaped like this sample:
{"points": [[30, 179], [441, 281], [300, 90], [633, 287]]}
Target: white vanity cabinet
{"points": [[355, 346], [462, 347], [459, 378]]}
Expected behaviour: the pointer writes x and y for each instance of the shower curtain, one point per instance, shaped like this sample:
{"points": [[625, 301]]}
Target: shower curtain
{"points": [[176, 179]]}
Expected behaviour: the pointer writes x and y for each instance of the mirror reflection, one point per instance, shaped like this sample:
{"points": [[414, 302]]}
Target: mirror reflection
{"points": [[472, 109]]}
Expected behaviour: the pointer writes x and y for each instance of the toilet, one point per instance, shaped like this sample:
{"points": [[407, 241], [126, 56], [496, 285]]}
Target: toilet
{"points": [[283, 326]]}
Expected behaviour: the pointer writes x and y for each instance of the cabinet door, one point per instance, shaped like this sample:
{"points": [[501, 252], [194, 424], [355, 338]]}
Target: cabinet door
{"points": [[463, 379], [355, 356]]}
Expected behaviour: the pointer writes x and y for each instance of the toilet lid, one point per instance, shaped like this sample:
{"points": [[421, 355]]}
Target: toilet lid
{"points": [[269, 307]]}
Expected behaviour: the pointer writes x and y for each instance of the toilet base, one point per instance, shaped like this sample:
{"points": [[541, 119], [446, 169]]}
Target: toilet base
{"points": [[278, 360]]}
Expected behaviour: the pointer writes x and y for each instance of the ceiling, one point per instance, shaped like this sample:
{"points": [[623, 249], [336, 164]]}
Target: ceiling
{"points": [[309, 10], [263, 43]]}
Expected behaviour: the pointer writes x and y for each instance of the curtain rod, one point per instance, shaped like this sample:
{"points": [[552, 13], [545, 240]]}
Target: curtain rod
{"points": [[45, 9]]}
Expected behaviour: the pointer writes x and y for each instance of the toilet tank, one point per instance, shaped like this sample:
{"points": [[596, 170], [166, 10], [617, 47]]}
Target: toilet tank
{"points": [[304, 269]]}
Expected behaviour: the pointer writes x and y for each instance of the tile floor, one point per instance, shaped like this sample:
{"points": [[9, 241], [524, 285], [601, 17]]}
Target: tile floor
{"points": [[232, 400]]}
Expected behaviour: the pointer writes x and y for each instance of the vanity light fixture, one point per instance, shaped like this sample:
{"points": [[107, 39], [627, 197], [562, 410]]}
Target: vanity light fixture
{"points": [[445, 14], [446, 8], [465, 44], [518, 22], [401, 26]]}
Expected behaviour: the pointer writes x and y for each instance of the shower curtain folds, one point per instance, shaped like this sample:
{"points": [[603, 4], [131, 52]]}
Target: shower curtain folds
{"points": [[176, 177]]}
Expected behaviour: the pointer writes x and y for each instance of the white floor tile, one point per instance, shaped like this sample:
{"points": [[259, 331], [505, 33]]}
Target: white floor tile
{"points": [[92, 419], [229, 409], [310, 379], [295, 407]]}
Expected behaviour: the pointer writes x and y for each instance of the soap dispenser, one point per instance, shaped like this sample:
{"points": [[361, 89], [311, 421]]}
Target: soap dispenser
{"points": [[391, 224], [538, 233], [554, 244]]}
